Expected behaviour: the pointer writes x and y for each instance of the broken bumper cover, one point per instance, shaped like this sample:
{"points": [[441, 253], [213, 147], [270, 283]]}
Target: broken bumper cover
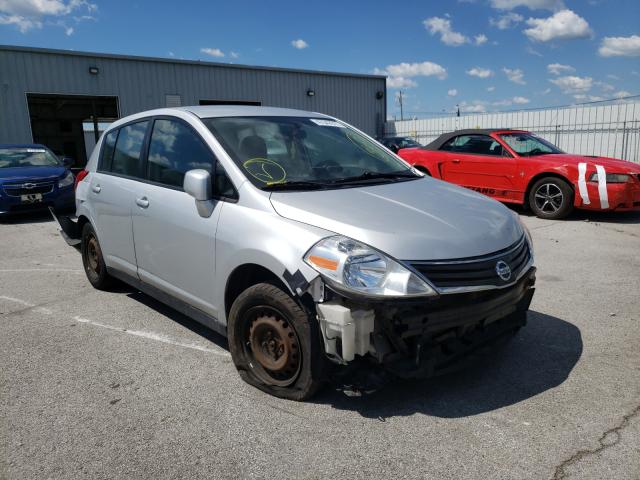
{"points": [[427, 337], [69, 228]]}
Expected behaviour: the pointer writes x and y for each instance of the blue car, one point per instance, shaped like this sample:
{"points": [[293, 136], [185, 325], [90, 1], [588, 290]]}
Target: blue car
{"points": [[32, 178]]}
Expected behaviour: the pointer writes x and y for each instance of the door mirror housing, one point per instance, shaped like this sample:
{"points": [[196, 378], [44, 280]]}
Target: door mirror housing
{"points": [[197, 183], [67, 162]]}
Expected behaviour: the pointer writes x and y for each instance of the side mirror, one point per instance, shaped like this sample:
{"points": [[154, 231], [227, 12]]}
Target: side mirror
{"points": [[67, 162], [197, 183], [394, 148]]}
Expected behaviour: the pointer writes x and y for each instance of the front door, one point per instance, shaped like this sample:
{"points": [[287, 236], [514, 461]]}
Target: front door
{"points": [[479, 162], [175, 245]]}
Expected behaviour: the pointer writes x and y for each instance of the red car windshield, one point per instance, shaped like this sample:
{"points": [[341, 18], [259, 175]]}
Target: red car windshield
{"points": [[529, 145]]}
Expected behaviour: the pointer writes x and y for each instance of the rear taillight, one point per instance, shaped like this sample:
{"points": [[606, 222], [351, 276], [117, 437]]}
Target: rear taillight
{"points": [[79, 177]]}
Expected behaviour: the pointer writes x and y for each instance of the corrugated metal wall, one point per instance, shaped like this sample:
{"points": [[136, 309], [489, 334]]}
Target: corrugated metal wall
{"points": [[611, 129], [142, 84]]}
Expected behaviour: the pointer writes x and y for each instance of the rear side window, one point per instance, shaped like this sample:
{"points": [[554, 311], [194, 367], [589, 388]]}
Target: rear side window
{"points": [[175, 149], [126, 156], [474, 145], [107, 150]]}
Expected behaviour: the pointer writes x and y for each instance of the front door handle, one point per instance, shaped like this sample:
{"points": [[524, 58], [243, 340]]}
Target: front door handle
{"points": [[455, 160], [96, 188], [142, 202]]}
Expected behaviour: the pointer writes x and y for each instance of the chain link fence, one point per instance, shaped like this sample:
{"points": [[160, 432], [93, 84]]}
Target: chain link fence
{"points": [[608, 129]]}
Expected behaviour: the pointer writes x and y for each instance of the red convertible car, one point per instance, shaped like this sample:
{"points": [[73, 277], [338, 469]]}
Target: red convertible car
{"points": [[516, 166]]}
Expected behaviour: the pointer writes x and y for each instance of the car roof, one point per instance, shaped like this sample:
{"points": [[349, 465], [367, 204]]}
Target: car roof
{"points": [[207, 111], [445, 137], [21, 145]]}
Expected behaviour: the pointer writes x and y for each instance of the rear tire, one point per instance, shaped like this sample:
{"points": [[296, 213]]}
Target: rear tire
{"points": [[275, 344], [423, 170], [93, 261], [551, 198]]}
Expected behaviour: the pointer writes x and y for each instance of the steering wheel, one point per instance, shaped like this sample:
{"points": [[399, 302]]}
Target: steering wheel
{"points": [[535, 151], [329, 166]]}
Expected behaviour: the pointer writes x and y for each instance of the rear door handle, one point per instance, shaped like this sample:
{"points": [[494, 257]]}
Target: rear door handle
{"points": [[455, 160], [96, 188], [142, 202]]}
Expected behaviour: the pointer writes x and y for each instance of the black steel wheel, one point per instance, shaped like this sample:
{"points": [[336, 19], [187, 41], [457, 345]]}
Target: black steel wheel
{"points": [[93, 261], [275, 344]]}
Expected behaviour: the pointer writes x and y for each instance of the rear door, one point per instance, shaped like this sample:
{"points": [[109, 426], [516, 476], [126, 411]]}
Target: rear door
{"points": [[111, 193], [480, 162], [175, 244]]}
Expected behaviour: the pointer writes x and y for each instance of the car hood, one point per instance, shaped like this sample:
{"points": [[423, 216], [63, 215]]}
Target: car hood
{"points": [[422, 219], [612, 165], [20, 174]]}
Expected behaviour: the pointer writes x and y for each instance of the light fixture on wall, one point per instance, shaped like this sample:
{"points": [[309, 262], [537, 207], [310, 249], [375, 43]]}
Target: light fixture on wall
{"points": [[379, 94], [311, 93], [94, 70]]}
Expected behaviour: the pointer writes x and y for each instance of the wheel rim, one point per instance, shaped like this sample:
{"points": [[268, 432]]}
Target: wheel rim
{"points": [[93, 255], [273, 343], [549, 198]]}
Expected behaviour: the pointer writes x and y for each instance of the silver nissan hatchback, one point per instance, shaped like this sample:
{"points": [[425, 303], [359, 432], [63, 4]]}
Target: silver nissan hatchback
{"points": [[301, 239]]}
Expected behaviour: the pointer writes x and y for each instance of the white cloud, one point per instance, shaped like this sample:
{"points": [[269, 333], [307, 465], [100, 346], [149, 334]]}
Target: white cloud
{"points": [[506, 21], [479, 72], [562, 25], [606, 87], [400, 82], [559, 68], [476, 106], [573, 84], [442, 27], [533, 51], [590, 98], [620, 46], [480, 39], [299, 44], [234, 54], [423, 69], [452, 92], [491, 88], [400, 74], [213, 52], [622, 94], [521, 100], [613, 77], [515, 75], [530, 4], [26, 15]]}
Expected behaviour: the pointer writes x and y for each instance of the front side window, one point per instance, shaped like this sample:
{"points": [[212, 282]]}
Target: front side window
{"points": [[126, 156], [174, 149], [474, 145], [529, 145], [304, 152], [27, 157]]}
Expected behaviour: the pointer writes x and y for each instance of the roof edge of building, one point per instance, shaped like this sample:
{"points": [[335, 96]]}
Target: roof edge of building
{"points": [[138, 58]]}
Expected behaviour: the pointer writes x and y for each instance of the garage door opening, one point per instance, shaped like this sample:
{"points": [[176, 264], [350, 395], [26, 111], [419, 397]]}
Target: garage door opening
{"points": [[70, 125]]}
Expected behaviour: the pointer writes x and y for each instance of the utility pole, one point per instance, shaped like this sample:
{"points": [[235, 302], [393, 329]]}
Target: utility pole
{"points": [[458, 112], [401, 111]]}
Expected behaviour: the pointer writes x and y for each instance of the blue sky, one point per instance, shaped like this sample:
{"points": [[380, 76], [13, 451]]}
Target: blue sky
{"points": [[483, 55]]}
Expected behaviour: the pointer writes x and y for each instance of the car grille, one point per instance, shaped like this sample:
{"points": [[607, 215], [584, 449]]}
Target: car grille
{"points": [[476, 271], [27, 188]]}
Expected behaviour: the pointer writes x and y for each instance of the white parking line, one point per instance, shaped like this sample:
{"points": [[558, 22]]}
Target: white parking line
{"points": [[44, 310], [152, 336]]}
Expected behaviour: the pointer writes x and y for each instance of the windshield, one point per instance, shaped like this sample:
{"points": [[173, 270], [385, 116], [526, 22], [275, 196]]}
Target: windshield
{"points": [[529, 145], [27, 157], [304, 152]]}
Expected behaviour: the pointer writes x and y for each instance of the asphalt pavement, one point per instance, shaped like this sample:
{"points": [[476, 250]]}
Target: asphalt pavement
{"points": [[115, 385]]}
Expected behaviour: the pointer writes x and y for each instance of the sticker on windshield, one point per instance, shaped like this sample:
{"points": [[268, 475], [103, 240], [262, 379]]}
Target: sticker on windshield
{"points": [[326, 123], [264, 170]]}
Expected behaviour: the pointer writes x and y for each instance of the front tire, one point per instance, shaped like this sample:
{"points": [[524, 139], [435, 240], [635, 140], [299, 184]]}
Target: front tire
{"points": [[275, 344], [551, 198], [93, 261]]}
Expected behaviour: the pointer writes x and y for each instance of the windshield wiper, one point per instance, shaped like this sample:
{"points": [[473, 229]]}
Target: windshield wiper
{"points": [[294, 185], [376, 176]]}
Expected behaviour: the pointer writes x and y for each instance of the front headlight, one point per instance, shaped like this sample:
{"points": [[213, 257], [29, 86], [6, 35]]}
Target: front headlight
{"points": [[526, 231], [611, 177], [356, 267], [66, 181]]}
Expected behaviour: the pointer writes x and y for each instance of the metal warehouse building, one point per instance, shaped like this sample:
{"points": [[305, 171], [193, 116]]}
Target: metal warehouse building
{"points": [[63, 99]]}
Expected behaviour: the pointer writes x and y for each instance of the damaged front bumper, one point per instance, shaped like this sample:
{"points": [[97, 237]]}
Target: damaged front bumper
{"points": [[423, 338]]}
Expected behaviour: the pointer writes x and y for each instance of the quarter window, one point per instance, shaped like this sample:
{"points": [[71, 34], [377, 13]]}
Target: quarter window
{"points": [[474, 145], [126, 156], [174, 150], [107, 150]]}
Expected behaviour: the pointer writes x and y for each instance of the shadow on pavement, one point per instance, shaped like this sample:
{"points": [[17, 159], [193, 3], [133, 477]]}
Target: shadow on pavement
{"points": [[40, 216], [539, 358], [590, 216]]}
